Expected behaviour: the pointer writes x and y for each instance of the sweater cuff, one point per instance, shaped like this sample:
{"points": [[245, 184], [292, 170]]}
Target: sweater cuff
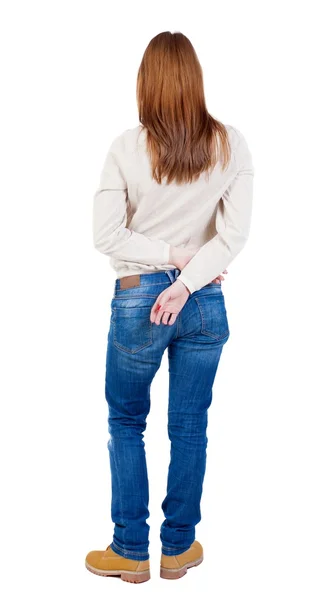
{"points": [[187, 282]]}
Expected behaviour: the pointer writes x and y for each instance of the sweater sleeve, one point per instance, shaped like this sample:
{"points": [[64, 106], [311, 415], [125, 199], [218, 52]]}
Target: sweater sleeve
{"points": [[110, 234], [232, 220]]}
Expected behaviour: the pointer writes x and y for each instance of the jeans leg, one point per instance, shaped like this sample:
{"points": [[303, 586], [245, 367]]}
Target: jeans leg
{"points": [[127, 390], [192, 367]]}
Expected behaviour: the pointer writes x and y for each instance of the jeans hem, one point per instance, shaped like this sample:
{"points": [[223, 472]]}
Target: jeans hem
{"points": [[175, 551], [129, 553]]}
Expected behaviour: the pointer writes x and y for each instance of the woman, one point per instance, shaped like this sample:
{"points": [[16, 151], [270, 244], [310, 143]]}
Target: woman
{"points": [[172, 210]]}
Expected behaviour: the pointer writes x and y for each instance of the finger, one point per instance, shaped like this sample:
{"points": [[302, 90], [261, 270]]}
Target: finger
{"points": [[165, 318], [159, 314], [160, 300], [163, 314], [154, 314], [172, 319]]}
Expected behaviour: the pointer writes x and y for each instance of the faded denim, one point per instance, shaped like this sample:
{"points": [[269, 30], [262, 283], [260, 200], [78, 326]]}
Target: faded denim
{"points": [[135, 347]]}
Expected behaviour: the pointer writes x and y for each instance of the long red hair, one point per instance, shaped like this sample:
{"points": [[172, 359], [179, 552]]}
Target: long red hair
{"points": [[183, 139]]}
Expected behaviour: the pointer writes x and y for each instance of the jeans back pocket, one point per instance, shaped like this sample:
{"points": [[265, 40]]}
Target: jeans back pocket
{"points": [[132, 328], [213, 314]]}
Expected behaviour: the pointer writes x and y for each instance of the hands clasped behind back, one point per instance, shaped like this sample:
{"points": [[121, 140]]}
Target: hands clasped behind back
{"points": [[170, 302]]}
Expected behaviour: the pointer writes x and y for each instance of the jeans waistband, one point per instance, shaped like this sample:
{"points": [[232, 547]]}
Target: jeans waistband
{"points": [[156, 277]]}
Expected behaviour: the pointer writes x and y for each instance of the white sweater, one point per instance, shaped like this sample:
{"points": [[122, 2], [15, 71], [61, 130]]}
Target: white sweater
{"points": [[135, 219]]}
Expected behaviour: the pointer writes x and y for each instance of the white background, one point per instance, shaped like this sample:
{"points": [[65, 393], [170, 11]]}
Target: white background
{"points": [[68, 73]]}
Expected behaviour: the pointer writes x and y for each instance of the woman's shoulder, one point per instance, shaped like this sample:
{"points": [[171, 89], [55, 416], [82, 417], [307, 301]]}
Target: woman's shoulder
{"points": [[235, 135], [239, 145], [129, 139]]}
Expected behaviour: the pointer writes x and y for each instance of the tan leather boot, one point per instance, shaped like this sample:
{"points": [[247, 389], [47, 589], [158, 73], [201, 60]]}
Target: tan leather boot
{"points": [[107, 562], [174, 567]]}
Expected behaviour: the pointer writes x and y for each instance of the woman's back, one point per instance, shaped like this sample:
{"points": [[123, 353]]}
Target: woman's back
{"points": [[129, 199]]}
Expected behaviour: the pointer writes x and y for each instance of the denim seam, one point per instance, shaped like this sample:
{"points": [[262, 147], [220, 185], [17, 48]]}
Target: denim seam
{"points": [[133, 296], [119, 483], [176, 548], [129, 551], [129, 350]]}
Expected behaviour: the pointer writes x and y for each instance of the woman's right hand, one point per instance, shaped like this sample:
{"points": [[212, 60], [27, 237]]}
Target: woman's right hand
{"points": [[180, 257]]}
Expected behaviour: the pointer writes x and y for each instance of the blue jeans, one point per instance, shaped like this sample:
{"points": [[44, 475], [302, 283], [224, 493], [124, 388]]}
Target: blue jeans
{"points": [[135, 347]]}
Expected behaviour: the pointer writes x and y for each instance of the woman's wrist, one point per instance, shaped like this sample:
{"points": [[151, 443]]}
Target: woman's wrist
{"points": [[183, 285]]}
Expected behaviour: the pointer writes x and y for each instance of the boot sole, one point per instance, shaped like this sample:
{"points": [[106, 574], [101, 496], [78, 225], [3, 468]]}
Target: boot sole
{"points": [[130, 576], [177, 573]]}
